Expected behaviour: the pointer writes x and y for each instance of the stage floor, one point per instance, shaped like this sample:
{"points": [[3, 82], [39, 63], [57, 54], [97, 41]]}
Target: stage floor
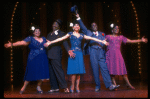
{"points": [[86, 88]]}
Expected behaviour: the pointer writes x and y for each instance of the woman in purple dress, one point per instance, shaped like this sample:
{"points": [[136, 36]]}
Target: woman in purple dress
{"points": [[114, 59]]}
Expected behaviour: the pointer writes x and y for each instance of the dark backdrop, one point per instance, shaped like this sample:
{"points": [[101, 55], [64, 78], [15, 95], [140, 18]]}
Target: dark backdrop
{"points": [[45, 13]]}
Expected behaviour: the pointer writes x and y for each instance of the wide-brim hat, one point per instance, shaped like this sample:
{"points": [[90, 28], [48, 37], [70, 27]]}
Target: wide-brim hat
{"points": [[74, 9]]}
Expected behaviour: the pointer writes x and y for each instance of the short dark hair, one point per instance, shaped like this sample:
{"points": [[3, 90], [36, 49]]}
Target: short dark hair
{"points": [[75, 22], [36, 27]]}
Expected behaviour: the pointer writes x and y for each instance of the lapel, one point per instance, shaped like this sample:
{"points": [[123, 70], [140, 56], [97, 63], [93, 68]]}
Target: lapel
{"points": [[101, 35], [55, 36]]}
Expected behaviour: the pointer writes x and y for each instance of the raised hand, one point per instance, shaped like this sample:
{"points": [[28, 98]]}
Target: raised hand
{"points": [[77, 15], [7, 45], [145, 40]]}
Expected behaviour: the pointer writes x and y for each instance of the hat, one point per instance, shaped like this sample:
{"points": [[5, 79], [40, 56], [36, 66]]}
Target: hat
{"points": [[59, 22], [74, 9]]}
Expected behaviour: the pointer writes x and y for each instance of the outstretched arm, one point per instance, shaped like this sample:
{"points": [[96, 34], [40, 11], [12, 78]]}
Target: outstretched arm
{"points": [[95, 39], [82, 26], [56, 40], [137, 41], [18, 43]]}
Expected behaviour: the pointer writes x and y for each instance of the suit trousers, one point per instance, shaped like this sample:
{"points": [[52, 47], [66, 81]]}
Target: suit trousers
{"points": [[98, 60], [57, 76]]}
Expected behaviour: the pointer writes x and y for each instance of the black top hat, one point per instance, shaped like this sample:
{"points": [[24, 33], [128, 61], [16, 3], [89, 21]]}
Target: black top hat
{"points": [[59, 22], [74, 9]]}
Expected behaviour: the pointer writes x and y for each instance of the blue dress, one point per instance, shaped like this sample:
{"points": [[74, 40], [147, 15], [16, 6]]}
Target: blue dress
{"points": [[76, 65], [37, 63]]}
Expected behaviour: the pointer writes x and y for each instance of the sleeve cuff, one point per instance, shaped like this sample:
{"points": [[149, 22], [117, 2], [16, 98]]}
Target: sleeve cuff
{"points": [[78, 18]]}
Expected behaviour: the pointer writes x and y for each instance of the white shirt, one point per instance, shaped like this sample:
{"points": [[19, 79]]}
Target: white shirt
{"points": [[96, 33], [56, 32]]}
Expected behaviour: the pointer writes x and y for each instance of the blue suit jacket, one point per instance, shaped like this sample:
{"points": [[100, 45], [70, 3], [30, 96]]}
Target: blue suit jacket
{"points": [[91, 44]]}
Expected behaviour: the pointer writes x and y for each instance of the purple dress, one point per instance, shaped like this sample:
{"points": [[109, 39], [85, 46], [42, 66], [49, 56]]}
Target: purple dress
{"points": [[114, 59]]}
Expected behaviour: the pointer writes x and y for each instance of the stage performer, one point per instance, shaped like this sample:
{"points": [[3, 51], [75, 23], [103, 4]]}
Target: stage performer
{"points": [[37, 64], [54, 52], [97, 55], [76, 64], [114, 59]]}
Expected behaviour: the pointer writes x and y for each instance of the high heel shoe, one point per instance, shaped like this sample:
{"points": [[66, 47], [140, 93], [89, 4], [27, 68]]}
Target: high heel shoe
{"points": [[78, 91], [71, 90], [21, 92], [131, 87], [40, 92]]}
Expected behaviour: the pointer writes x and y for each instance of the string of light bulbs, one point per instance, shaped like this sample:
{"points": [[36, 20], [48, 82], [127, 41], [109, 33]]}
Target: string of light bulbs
{"points": [[11, 39], [37, 13], [138, 35]]}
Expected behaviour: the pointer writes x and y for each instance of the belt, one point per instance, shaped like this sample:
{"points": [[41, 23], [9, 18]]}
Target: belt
{"points": [[96, 44]]}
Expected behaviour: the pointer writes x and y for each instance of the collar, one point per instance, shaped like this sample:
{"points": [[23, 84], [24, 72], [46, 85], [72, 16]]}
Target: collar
{"points": [[96, 33], [56, 30]]}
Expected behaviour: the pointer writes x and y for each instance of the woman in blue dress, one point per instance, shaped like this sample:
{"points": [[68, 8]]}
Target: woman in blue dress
{"points": [[37, 64], [75, 64]]}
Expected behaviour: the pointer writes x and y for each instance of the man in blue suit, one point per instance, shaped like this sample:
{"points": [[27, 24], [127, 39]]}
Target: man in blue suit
{"points": [[97, 55]]}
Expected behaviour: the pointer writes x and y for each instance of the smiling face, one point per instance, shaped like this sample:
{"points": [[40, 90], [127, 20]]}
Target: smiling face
{"points": [[94, 26], [116, 30], [55, 26], [76, 27], [37, 32]]}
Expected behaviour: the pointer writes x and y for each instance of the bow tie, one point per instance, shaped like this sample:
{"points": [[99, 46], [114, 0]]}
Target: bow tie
{"points": [[95, 33]]}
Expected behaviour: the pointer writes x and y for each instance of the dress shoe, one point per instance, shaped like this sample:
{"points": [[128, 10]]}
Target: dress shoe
{"points": [[66, 90], [112, 87], [53, 90], [97, 90], [117, 86]]}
